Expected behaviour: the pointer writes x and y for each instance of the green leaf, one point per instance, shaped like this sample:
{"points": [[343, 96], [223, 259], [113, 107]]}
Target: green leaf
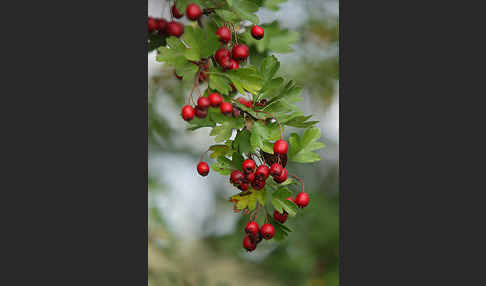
{"points": [[237, 160], [273, 4], [173, 54], [301, 148], [219, 82], [242, 142], [202, 44], [245, 9], [225, 130], [261, 132], [276, 40], [197, 123], [300, 122], [268, 68], [245, 79], [228, 16], [220, 150]]}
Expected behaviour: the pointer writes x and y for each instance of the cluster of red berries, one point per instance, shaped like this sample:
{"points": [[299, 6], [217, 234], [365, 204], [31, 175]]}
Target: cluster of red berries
{"points": [[203, 104], [174, 28]]}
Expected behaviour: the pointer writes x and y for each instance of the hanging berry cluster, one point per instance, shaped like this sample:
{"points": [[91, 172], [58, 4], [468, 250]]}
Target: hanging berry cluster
{"points": [[246, 106]]}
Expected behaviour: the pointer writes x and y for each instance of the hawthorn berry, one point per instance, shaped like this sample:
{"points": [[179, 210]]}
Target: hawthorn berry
{"points": [[245, 102], [187, 112], [280, 217], [248, 244], [276, 170], [226, 108], [252, 228], [262, 172], [175, 29], [226, 63], [152, 24], [234, 64], [220, 53], [257, 32], [240, 52], [283, 176], [280, 147], [224, 34], [193, 11], [176, 12], [302, 199], [243, 186], [267, 231], [237, 177], [161, 25], [215, 99], [200, 112], [257, 238], [248, 166], [203, 168], [258, 184], [203, 102], [250, 177]]}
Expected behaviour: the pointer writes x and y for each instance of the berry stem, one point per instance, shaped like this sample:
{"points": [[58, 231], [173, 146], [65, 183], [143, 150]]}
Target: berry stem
{"points": [[299, 179]]}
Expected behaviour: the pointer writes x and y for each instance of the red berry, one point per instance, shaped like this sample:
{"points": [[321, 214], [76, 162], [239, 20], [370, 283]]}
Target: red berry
{"points": [[193, 11], [280, 147], [291, 199], [250, 177], [248, 166], [221, 53], [267, 231], [161, 25], [177, 76], [226, 108], [262, 172], [203, 168], [257, 32], [283, 176], [226, 63], [203, 102], [302, 199], [234, 64], [248, 244], [224, 34], [187, 112], [251, 228], [257, 238], [215, 99], [200, 112], [258, 184], [152, 24], [243, 186], [176, 12], [175, 29], [245, 102], [276, 170], [237, 177], [202, 76], [240, 52], [279, 216]]}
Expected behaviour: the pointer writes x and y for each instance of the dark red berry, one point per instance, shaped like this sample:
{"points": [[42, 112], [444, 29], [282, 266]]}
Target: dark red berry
{"points": [[267, 231], [202, 76], [175, 29], [234, 64], [187, 112], [225, 63], [280, 147], [200, 112], [283, 176], [258, 184], [193, 11], [257, 238], [152, 24], [248, 166], [237, 177], [279, 216], [240, 52], [249, 178], [161, 25], [221, 53], [302, 199], [203, 168], [224, 34], [262, 172], [248, 244], [245, 102], [203, 102], [252, 228], [215, 99], [276, 170], [257, 32], [226, 108], [176, 12], [243, 186]]}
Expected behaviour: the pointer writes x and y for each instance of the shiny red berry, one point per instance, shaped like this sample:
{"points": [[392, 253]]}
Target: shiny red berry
{"points": [[252, 228], [258, 184], [187, 112], [221, 53], [283, 176], [152, 24], [267, 231], [248, 166], [279, 216], [244, 186], [262, 172], [276, 169], [226, 108], [250, 177], [203, 169], [234, 64], [203, 102], [215, 99], [176, 12], [237, 177], [280, 147], [224, 34], [248, 244], [240, 52], [193, 11], [161, 25], [225, 62], [257, 32], [302, 199], [200, 112], [175, 29], [245, 102]]}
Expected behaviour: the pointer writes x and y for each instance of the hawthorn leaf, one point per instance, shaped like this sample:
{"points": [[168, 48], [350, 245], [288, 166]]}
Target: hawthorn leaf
{"points": [[242, 142], [220, 150], [245, 9], [301, 148]]}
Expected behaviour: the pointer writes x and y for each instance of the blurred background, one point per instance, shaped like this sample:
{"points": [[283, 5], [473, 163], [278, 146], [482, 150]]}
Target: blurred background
{"points": [[194, 236]]}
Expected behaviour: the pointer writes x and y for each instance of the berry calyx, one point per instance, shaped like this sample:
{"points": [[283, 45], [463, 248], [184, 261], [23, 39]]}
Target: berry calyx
{"points": [[280, 147], [175, 29], [215, 99], [248, 244], [203, 102], [193, 11], [161, 25], [262, 172], [276, 170], [237, 177], [152, 24], [248, 166], [252, 228], [187, 112], [258, 184], [203, 168], [176, 12], [221, 53], [302, 199], [280, 217], [200, 112], [226, 108], [267, 231], [243, 186], [224, 34], [257, 32], [240, 52], [283, 176]]}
